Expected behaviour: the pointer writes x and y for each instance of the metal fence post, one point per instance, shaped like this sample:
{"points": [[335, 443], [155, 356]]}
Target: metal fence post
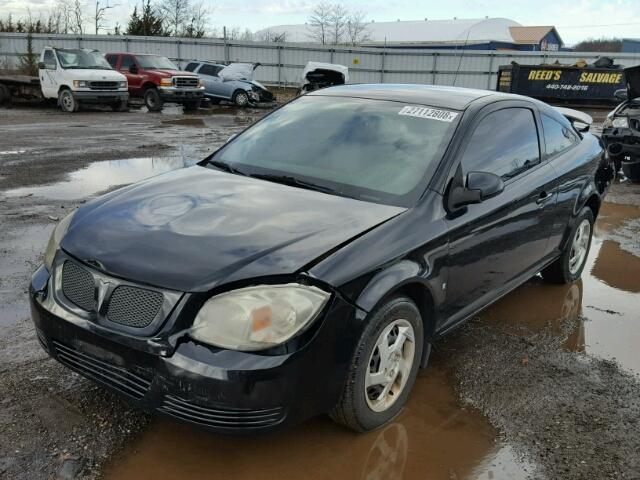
{"points": [[226, 52], [383, 56], [280, 47], [434, 68], [491, 67]]}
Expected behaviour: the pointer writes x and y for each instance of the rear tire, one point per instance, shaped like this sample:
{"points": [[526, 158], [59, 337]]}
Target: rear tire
{"points": [[67, 101], [152, 100], [568, 267], [369, 398]]}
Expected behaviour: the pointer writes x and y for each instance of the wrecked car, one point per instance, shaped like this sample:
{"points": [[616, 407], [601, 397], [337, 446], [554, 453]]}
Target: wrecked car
{"points": [[621, 128], [310, 264], [233, 83], [317, 75]]}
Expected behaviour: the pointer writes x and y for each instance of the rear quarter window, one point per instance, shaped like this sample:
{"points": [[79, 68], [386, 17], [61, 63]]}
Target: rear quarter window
{"points": [[557, 137], [191, 67]]}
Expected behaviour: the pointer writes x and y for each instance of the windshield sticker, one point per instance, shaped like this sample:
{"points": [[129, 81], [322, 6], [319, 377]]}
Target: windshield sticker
{"points": [[426, 112]]}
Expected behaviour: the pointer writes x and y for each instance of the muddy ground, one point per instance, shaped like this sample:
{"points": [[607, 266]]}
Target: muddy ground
{"points": [[543, 384]]}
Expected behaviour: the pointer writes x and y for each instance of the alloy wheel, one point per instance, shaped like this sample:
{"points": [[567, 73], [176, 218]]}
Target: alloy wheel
{"points": [[389, 365], [579, 246]]}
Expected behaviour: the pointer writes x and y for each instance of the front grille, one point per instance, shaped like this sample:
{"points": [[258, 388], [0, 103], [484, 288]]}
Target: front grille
{"points": [[134, 307], [78, 286], [186, 82], [220, 417], [119, 378], [103, 85]]}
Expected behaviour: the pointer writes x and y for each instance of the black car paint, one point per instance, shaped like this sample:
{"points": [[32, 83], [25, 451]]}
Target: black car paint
{"points": [[477, 254]]}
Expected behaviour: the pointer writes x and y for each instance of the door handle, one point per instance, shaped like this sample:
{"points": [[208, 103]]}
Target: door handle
{"points": [[543, 198]]}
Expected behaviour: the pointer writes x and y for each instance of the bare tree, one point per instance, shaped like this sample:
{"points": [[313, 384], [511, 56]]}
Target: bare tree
{"points": [[319, 22], [198, 17], [176, 14], [356, 29], [100, 15], [77, 17], [64, 12], [337, 23]]}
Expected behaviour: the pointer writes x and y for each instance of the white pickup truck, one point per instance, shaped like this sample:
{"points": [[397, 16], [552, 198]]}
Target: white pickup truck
{"points": [[72, 76]]}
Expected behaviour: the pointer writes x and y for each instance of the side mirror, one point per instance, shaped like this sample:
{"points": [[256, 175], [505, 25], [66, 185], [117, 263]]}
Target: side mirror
{"points": [[41, 66], [479, 187], [620, 94], [488, 184], [133, 68]]}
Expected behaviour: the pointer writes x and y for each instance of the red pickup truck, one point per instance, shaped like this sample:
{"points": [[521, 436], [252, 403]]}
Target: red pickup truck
{"points": [[157, 80]]}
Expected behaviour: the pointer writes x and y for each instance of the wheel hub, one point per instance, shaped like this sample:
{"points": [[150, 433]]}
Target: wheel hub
{"points": [[389, 365]]}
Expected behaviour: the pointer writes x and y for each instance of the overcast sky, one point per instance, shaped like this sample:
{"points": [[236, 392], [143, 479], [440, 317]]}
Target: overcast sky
{"points": [[575, 20]]}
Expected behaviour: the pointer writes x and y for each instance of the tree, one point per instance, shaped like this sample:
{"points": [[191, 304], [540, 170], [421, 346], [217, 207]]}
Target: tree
{"points": [[182, 17], [319, 22], [356, 28], [100, 14], [337, 23], [611, 45], [149, 24]]}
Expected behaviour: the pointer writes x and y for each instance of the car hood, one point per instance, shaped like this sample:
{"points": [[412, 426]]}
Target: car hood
{"points": [[172, 73], [97, 74], [195, 228]]}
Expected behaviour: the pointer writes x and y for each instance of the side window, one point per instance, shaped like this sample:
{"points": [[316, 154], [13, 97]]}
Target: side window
{"points": [[112, 59], [126, 62], [191, 67], [504, 143], [49, 59], [211, 70], [557, 137]]}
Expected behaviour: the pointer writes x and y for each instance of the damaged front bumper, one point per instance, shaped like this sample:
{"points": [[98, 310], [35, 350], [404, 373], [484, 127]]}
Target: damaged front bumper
{"points": [[623, 147], [222, 390]]}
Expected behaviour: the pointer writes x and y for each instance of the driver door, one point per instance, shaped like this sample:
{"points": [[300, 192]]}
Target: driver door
{"points": [[494, 244]]}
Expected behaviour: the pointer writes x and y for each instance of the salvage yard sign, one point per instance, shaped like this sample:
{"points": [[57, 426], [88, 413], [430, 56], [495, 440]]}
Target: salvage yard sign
{"points": [[561, 82]]}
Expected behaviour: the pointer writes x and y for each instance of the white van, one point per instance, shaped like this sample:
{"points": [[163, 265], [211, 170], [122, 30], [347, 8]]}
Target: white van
{"points": [[75, 76]]}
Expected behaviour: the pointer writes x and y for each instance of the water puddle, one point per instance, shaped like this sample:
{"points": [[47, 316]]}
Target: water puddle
{"points": [[101, 176], [433, 438]]}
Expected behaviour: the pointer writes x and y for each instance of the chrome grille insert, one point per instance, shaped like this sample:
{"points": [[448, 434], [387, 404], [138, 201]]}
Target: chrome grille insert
{"points": [[188, 82]]}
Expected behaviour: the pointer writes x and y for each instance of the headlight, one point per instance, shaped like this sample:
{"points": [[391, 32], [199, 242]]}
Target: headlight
{"points": [[166, 82], [200, 83], [256, 318], [123, 84], [55, 239], [620, 122], [79, 83]]}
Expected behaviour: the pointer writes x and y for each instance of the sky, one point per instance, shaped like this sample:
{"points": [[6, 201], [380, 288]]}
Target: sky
{"points": [[575, 20]]}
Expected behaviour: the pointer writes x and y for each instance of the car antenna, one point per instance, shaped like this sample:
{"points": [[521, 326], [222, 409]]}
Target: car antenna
{"points": [[464, 48]]}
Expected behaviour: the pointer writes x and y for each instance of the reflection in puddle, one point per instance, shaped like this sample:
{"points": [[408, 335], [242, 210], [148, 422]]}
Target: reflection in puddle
{"points": [[433, 438], [100, 176]]}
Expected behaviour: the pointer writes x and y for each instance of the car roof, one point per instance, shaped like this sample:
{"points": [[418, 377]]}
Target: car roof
{"points": [[457, 98]]}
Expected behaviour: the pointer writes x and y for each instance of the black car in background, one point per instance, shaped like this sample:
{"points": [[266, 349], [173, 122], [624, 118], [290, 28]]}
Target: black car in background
{"points": [[310, 264]]}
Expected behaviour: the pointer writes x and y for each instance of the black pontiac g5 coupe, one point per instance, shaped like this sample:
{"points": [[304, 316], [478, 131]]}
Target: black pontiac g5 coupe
{"points": [[309, 264]]}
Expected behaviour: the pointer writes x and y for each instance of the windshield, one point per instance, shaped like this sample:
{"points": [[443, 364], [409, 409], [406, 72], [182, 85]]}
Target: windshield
{"points": [[154, 62], [373, 150], [78, 58]]}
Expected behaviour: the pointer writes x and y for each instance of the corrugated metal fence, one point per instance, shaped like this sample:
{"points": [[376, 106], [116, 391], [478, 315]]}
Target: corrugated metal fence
{"points": [[282, 63]]}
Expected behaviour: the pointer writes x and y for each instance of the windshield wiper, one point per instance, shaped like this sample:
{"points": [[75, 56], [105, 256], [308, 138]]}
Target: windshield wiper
{"points": [[225, 167], [295, 182]]}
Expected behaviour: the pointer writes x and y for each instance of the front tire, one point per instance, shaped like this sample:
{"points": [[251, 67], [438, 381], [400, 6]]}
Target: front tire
{"points": [[241, 99], [568, 267], [67, 101], [384, 367], [152, 100]]}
